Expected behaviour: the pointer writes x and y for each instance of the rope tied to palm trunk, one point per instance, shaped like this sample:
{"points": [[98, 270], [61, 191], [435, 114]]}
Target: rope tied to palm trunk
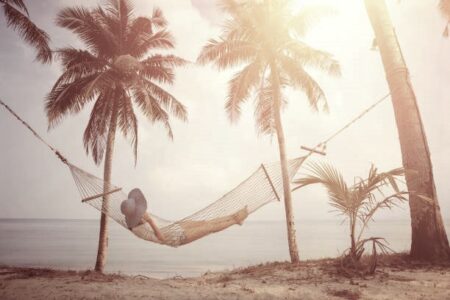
{"points": [[54, 150]]}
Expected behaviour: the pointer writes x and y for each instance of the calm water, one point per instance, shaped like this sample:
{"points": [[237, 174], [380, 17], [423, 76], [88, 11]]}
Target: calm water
{"points": [[72, 244]]}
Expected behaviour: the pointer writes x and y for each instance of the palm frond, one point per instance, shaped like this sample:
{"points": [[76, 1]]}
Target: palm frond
{"points": [[127, 121], [226, 53], [121, 10], [241, 86], [308, 56], [308, 16], [32, 34], [300, 79], [139, 29], [158, 18], [70, 57], [160, 67], [160, 74], [328, 176], [71, 97], [265, 109], [375, 181], [151, 108], [89, 26], [165, 60], [77, 64], [167, 100], [160, 40], [96, 132], [19, 4], [388, 202]]}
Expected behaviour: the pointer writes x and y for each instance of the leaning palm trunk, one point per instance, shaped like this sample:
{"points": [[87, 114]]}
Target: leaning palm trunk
{"points": [[292, 242], [429, 240], [293, 249], [103, 234]]}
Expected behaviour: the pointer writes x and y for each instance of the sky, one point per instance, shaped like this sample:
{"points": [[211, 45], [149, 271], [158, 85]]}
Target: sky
{"points": [[209, 156]]}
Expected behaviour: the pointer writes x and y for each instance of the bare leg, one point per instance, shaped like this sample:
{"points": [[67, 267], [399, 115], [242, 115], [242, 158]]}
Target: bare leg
{"points": [[155, 228], [194, 230]]}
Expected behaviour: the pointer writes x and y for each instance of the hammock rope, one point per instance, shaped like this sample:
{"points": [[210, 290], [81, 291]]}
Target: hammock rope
{"points": [[56, 152], [322, 145], [263, 186]]}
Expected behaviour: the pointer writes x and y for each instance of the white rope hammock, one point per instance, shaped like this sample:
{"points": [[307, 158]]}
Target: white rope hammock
{"points": [[263, 186]]}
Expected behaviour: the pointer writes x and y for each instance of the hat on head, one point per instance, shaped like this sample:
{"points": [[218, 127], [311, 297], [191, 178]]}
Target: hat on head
{"points": [[134, 207]]}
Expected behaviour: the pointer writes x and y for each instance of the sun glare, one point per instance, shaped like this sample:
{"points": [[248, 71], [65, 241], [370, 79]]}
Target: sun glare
{"points": [[339, 6], [346, 18]]}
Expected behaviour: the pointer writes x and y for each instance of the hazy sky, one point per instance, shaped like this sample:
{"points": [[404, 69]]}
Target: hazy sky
{"points": [[209, 156]]}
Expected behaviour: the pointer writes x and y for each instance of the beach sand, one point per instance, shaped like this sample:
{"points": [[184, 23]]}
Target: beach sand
{"points": [[308, 280]]}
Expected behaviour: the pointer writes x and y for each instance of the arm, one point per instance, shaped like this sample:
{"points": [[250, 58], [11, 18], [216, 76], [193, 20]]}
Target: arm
{"points": [[155, 228]]}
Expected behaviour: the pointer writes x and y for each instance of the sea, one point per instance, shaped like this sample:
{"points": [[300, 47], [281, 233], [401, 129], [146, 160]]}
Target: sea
{"points": [[72, 244]]}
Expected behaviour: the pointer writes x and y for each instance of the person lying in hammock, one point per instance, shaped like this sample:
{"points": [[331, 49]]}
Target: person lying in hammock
{"points": [[135, 211]]}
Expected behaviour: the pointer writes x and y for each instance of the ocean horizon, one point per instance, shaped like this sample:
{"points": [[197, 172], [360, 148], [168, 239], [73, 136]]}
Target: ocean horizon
{"points": [[72, 244]]}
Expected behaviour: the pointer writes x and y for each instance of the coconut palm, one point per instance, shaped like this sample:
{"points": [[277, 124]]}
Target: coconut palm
{"points": [[429, 240], [117, 72], [265, 38], [358, 202], [17, 17]]}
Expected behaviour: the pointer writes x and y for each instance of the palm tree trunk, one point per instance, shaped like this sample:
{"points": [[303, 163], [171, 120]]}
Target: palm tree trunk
{"points": [[429, 240], [352, 236], [103, 235], [293, 249]]}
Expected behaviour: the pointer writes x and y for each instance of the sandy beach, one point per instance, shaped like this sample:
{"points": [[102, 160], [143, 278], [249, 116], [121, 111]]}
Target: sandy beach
{"points": [[308, 280]]}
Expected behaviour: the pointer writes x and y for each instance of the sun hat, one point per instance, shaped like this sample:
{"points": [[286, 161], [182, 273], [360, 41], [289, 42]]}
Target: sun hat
{"points": [[134, 208]]}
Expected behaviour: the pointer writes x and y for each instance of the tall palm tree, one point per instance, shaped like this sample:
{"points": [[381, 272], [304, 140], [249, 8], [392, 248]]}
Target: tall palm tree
{"points": [[115, 70], [266, 37], [17, 17], [429, 240]]}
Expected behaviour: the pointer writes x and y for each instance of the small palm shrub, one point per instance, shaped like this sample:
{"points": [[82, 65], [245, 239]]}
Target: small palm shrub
{"points": [[358, 203]]}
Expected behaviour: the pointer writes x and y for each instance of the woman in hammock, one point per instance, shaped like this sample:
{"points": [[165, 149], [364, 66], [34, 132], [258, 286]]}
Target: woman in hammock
{"points": [[135, 210]]}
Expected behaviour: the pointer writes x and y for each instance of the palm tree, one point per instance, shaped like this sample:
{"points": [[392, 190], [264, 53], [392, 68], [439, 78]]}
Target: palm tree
{"points": [[429, 240], [115, 71], [358, 202], [17, 17], [266, 37]]}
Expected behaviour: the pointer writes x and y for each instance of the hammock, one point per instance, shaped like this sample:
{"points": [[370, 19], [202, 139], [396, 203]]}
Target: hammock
{"points": [[263, 186]]}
